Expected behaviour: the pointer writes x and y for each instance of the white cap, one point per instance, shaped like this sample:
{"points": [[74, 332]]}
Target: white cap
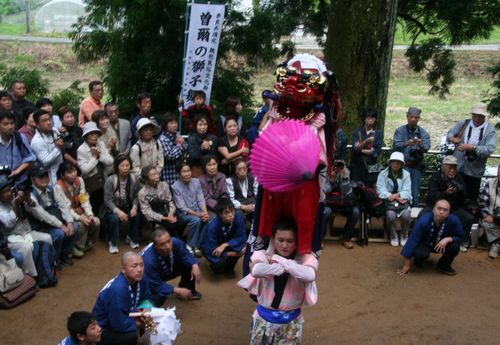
{"points": [[397, 156], [147, 122]]}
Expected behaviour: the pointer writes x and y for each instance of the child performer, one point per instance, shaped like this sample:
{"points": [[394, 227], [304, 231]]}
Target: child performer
{"points": [[282, 282]]}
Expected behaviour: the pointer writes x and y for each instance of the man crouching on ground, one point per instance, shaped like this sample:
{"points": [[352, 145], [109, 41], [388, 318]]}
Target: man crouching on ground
{"points": [[437, 232], [125, 293]]}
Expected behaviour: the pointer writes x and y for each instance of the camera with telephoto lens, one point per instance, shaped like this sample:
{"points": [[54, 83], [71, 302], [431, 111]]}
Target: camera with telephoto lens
{"points": [[5, 170], [339, 165], [454, 184], [471, 156]]}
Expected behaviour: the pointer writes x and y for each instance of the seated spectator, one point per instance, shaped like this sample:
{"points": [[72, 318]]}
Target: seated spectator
{"points": [[15, 150], [200, 143], [146, 151], [6, 101], [120, 126], [91, 103], [166, 259], [72, 135], [232, 108], [199, 107], [367, 146], [253, 131], [224, 239], [413, 141], [108, 136], [447, 184], [394, 187], [188, 197], [174, 148], [70, 190], [46, 104], [157, 203], [489, 203], [213, 184], [121, 205], [83, 329], [435, 232], [16, 227], [475, 140], [338, 183], [29, 127], [144, 105], [93, 159], [242, 189], [19, 101], [232, 146], [46, 215], [47, 144], [125, 293]]}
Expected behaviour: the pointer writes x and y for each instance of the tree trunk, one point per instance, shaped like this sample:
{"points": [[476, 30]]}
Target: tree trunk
{"points": [[28, 15], [358, 49]]}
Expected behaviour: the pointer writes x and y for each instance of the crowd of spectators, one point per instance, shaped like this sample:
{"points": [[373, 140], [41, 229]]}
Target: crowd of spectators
{"points": [[63, 180]]}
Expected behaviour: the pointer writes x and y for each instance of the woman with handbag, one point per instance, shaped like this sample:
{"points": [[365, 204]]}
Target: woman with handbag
{"points": [[93, 157], [367, 146], [394, 187]]}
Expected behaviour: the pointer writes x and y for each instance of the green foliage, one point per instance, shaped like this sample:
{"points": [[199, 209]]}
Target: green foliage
{"points": [[440, 72], [145, 39], [36, 85], [8, 7], [71, 96], [444, 22], [493, 96]]}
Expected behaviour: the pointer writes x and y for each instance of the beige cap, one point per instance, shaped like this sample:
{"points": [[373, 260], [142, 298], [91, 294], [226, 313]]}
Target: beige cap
{"points": [[480, 109], [452, 160]]}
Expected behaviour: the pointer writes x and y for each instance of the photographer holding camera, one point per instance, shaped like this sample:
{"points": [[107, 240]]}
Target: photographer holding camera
{"points": [[339, 198], [475, 140], [15, 151], [413, 141], [489, 204], [16, 227], [449, 185]]}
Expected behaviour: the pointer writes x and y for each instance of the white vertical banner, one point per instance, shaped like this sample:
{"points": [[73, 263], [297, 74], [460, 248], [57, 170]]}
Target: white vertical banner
{"points": [[205, 28]]}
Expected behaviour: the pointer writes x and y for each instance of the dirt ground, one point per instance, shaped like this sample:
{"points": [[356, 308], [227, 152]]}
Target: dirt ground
{"points": [[361, 301]]}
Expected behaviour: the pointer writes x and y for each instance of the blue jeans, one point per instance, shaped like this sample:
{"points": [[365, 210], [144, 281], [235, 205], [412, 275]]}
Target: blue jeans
{"points": [[352, 214], [196, 227], [415, 177], [113, 223], [63, 244]]}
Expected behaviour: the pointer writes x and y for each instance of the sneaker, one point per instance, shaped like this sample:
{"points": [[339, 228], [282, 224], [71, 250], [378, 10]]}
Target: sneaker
{"points": [[403, 241], [196, 296], [446, 270], [347, 244], [494, 250], [67, 261], [133, 245], [394, 242], [113, 249], [77, 253], [197, 252], [463, 248]]}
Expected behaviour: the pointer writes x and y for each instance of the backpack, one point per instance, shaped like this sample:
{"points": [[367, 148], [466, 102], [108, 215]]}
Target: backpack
{"points": [[44, 262], [370, 201], [140, 148]]}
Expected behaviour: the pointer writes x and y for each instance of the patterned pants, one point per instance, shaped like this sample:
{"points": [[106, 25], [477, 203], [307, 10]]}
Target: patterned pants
{"points": [[267, 333]]}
